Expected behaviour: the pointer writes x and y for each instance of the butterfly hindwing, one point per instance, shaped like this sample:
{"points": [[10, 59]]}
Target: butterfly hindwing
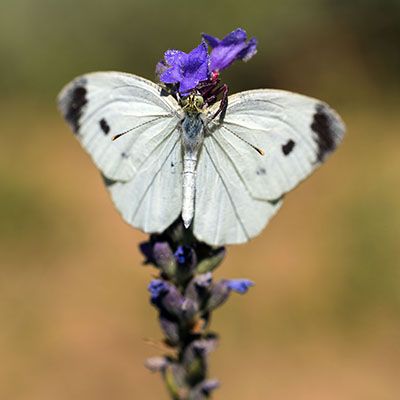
{"points": [[152, 200], [225, 211]]}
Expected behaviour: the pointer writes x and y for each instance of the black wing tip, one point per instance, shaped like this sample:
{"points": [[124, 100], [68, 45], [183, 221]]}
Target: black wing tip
{"points": [[329, 130], [107, 181], [72, 101]]}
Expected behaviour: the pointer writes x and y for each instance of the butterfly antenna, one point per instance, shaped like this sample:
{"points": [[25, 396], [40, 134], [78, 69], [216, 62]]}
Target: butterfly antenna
{"points": [[115, 137], [257, 149]]}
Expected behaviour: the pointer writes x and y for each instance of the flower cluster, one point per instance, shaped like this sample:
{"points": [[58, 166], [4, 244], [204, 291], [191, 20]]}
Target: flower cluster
{"points": [[185, 296], [188, 70]]}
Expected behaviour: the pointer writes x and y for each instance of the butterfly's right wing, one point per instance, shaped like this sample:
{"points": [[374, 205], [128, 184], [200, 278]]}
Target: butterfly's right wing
{"points": [[142, 169], [239, 188]]}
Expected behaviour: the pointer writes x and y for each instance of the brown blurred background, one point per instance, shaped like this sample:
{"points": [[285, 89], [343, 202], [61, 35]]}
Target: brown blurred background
{"points": [[322, 323]]}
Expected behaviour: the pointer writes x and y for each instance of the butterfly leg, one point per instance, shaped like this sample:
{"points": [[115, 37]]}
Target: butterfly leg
{"points": [[224, 102]]}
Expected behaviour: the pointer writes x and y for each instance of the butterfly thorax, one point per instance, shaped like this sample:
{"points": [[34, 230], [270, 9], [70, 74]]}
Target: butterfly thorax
{"points": [[192, 132]]}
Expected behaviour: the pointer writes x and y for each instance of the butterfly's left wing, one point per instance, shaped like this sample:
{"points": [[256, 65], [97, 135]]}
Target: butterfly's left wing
{"points": [[293, 135], [142, 168]]}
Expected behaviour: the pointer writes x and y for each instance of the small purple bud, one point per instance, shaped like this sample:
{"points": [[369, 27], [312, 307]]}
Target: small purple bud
{"points": [[240, 286], [164, 258], [157, 288], [173, 301], [221, 290]]}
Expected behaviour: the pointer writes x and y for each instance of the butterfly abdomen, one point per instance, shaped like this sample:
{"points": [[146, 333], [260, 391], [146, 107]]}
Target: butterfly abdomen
{"points": [[192, 140]]}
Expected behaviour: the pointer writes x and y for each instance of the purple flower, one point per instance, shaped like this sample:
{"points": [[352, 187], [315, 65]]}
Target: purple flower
{"points": [[157, 288], [186, 69], [233, 46], [240, 286]]}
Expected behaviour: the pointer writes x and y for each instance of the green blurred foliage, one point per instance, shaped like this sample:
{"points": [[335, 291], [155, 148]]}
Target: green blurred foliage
{"points": [[304, 44]]}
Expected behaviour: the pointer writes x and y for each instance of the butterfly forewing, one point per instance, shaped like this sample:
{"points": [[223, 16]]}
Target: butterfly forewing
{"points": [[100, 105], [296, 133]]}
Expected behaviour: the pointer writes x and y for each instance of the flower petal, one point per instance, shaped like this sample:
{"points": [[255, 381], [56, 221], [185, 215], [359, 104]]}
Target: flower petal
{"points": [[237, 36], [240, 286], [223, 56], [249, 51], [171, 75], [211, 40], [199, 53], [175, 57], [187, 69], [231, 48], [187, 84]]}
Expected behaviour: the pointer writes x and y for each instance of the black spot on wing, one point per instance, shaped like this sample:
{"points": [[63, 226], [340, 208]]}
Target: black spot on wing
{"points": [[274, 202], [324, 126], [75, 104], [288, 147], [261, 171], [107, 181], [104, 126]]}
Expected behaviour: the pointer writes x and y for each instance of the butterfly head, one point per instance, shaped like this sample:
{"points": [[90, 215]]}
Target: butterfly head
{"points": [[194, 103]]}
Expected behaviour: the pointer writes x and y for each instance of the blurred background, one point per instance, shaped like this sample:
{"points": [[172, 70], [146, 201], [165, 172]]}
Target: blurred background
{"points": [[323, 321]]}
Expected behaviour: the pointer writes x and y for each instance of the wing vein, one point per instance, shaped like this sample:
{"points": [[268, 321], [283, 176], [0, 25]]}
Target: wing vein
{"points": [[155, 175], [228, 193]]}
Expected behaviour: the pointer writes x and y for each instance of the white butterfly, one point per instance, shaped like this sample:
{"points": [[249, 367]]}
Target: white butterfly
{"points": [[174, 161]]}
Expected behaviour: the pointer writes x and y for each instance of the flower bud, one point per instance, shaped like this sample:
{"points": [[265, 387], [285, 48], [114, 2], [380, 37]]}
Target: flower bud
{"points": [[204, 389], [156, 364], [164, 258], [221, 290], [218, 295], [195, 359], [198, 289], [170, 329], [211, 261]]}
